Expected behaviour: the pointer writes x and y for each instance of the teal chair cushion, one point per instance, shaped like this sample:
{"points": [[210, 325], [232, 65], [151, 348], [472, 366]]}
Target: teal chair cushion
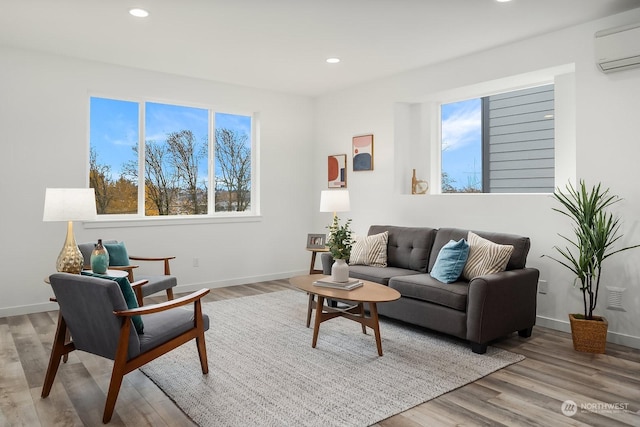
{"points": [[118, 255]]}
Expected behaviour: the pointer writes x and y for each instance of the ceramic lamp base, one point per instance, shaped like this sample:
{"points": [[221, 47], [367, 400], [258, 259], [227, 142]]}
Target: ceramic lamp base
{"points": [[70, 259]]}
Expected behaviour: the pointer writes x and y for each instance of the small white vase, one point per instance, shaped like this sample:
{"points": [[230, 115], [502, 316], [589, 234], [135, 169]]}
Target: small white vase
{"points": [[340, 271]]}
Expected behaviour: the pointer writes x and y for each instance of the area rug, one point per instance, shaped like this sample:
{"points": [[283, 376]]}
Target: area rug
{"points": [[263, 371]]}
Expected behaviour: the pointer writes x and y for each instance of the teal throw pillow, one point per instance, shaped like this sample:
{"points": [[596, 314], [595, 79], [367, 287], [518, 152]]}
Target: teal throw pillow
{"points": [[118, 255], [450, 261], [127, 293]]}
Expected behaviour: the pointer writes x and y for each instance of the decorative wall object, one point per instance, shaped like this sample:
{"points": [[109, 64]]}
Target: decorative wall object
{"points": [[363, 153], [337, 171]]}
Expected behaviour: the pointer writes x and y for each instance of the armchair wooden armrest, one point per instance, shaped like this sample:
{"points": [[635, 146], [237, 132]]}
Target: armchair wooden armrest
{"points": [[163, 306], [167, 270]]}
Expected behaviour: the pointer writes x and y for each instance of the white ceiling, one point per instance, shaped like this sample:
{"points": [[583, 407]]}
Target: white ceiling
{"points": [[282, 44]]}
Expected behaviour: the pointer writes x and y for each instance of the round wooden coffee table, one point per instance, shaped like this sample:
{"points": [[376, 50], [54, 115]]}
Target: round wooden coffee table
{"points": [[370, 293]]}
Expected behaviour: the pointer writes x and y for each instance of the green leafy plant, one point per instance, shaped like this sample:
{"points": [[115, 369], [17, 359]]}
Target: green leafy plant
{"points": [[595, 230], [340, 239]]}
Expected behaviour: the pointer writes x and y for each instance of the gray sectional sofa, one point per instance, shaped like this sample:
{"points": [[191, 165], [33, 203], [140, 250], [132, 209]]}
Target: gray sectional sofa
{"points": [[481, 310]]}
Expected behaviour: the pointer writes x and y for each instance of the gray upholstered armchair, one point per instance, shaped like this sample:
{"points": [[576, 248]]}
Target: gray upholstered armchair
{"points": [[95, 312], [119, 259]]}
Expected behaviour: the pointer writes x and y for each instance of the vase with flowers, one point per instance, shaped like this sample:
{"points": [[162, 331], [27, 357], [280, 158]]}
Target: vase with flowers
{"points": [[340, 242]]}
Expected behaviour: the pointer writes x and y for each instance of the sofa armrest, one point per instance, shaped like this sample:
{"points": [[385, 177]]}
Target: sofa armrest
{"points": [[327, 263], [501, 303]]}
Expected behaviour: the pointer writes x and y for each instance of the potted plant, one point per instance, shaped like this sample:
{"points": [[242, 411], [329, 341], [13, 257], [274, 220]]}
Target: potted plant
{"points": [[595, 231], [339, 243]]}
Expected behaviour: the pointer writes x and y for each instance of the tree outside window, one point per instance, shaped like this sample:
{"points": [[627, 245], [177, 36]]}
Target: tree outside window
{"points": [[176, 178]]}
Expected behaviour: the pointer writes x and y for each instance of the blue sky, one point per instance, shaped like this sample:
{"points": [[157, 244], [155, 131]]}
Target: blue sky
{"points": [[114, 127], [462, 141]]}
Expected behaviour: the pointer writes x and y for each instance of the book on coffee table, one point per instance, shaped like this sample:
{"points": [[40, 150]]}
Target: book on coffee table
{"points": [[348, 285]]}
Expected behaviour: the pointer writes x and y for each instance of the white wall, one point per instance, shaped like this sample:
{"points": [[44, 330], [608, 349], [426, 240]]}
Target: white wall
{"points": [[607, 129], [43, 136]]}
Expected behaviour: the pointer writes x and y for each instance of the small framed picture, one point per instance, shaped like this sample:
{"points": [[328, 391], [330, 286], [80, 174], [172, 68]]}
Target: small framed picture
{"points": [[363, 153], [316, 241]]}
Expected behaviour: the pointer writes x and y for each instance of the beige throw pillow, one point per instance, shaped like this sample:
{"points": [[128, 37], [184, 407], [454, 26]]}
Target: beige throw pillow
{"points": [[371, 250], [485, 257]]}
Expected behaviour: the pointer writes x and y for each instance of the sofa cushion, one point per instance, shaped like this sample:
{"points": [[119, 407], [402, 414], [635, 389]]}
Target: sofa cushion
{"points": [[377, 274], [370, 250], [425, 288], [485, 257], [451, 261], [408, 247], [520, 244]]}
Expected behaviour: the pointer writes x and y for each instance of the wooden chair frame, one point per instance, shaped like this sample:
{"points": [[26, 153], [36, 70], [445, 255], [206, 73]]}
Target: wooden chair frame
{"points": [[129, 269], [121, 365]]}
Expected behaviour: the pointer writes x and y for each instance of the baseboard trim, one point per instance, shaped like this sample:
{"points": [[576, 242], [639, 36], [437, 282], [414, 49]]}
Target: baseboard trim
{"points": [[49, 306], [612, 337], [28, 309], [238, 281]]}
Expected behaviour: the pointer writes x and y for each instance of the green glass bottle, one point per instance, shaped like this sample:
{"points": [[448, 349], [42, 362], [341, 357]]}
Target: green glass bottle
{"points": [[99, 259]]}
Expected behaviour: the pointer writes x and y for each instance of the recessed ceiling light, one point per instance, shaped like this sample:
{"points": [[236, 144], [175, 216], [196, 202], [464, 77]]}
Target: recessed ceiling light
{"points": [[333, 60], [139, 13], [502, 1]]}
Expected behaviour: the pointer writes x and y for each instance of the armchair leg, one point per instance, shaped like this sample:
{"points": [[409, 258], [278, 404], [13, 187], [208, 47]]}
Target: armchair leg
{"points": [[120, 368], [57, 351], [170, 294], [202, 353], [114, 388]]}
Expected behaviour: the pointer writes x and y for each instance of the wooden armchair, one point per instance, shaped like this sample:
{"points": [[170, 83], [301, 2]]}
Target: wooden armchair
{"points": [[123, 261], [96, 315]]}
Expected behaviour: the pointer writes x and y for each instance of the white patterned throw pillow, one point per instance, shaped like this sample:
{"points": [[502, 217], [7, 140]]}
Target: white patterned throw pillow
{"points": [[485, 257], [371, 250]]}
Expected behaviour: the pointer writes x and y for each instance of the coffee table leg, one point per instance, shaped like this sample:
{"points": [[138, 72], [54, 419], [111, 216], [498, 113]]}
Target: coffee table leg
{"points": [[309, 309], [316, 326], [361, 306], [376, 325]]}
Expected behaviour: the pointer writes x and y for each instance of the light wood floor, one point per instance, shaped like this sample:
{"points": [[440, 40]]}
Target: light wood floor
{"points": [[528, 393]]}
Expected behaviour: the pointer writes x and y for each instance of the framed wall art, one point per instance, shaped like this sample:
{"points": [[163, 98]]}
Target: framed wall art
{"points": [[337, 171], [362, 153]]}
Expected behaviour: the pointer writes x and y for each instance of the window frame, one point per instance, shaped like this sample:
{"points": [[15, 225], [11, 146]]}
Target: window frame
{"points": [[139, 218], [563, 79], [484, 130]]}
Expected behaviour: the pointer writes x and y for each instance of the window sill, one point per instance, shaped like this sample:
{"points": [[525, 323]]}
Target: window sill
{"points": [[108, 222]]}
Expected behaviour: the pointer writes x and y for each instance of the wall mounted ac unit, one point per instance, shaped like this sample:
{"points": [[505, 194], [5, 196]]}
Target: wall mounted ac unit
{"points": [[618, 48]]}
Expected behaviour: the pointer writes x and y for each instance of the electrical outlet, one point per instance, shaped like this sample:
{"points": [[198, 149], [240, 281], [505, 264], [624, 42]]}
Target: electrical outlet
{"points": [[196, 262], [543, 287]]}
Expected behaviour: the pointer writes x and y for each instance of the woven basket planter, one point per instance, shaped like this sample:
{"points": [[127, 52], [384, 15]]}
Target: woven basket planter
{"points": [[589, 336]]}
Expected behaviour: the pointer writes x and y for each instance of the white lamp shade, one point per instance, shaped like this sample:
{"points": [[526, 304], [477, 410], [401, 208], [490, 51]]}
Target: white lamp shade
{"points": [[334, 201], [69, 204]]}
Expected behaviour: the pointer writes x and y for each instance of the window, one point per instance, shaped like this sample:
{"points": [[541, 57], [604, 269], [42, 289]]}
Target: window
{"points": [[502, 143], [155, 159]]}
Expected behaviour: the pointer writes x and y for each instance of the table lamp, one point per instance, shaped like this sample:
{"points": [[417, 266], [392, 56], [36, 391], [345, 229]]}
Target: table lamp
{"points": [[69, 204], [334, 201]]}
